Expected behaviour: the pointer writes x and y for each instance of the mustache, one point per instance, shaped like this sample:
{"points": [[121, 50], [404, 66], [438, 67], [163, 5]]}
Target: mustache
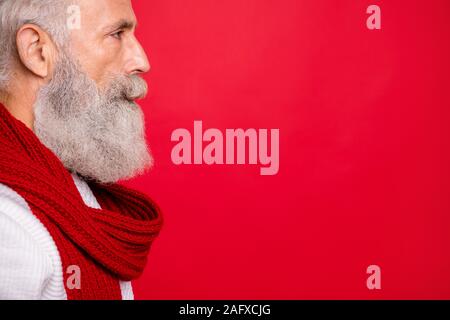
{"points": [[128, 88]]}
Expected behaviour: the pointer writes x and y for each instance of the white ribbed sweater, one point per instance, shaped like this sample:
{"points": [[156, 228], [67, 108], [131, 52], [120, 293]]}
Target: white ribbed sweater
{"points": [[30, 265]]}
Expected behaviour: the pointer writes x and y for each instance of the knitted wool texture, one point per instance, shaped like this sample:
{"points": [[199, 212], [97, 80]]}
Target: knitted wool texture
{"points": [[108, 244]]}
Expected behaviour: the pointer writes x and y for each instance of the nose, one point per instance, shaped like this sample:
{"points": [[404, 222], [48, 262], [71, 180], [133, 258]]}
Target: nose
{"points": [[138, 61]]}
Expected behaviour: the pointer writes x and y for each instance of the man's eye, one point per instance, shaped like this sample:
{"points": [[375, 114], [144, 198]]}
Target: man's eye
{"points": [[118, 34]]}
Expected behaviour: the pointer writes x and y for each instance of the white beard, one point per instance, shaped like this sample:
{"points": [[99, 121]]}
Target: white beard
{"points": [[99, 134]]}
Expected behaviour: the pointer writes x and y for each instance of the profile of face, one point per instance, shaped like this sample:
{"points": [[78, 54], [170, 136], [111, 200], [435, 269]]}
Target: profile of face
{"points": [[87, 114]]}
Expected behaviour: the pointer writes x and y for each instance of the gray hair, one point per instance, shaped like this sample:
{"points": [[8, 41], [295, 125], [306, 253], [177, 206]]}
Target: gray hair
{"points": [[47, 14]]}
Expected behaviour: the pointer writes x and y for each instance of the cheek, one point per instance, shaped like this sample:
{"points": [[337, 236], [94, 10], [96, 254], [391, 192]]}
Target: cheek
{"points": [[98, 60]]}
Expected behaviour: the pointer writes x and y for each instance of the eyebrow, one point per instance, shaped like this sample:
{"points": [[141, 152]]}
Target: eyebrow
{"points": [[121, 24]]}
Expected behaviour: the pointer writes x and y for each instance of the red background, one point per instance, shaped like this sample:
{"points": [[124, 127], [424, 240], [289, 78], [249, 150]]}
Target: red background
{"points": [[364, 148]]}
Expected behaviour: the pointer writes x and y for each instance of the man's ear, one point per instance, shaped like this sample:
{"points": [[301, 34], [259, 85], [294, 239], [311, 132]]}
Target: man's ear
{"points": [[35, 49]]}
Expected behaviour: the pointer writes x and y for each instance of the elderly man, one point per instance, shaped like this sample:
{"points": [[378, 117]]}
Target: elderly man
{"points": [[69, 131]]}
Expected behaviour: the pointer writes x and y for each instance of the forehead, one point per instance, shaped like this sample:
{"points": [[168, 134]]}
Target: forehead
{"points": [[100, 14]]}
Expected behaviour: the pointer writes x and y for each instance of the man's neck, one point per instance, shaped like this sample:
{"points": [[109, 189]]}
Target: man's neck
{"points": [[20, 107], [20, 114]]}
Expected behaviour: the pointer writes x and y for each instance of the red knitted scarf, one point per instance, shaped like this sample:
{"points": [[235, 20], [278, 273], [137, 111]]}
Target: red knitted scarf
{"points": [[105, 245]]}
